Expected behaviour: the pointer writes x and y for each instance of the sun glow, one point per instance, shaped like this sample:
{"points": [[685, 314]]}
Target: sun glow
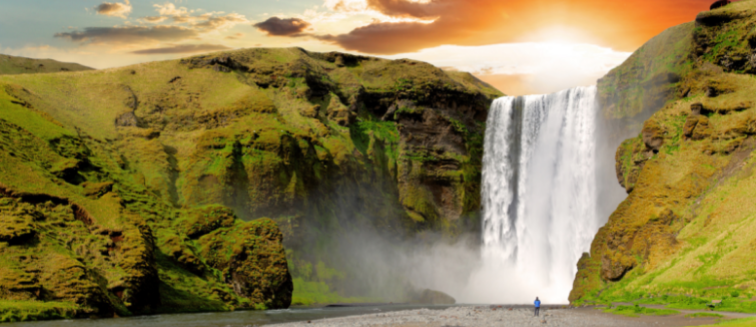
{"points": [[559, 34]]}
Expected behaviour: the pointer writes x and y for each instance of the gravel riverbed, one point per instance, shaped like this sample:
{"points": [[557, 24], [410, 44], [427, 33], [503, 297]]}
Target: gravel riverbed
{"points": [[489, 316]]}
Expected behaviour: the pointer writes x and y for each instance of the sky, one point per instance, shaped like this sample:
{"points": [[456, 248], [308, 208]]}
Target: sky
{"points": [[521, 47]]}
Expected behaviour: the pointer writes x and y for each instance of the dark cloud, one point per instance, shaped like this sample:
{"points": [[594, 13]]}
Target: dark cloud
{"points": [[129, 34], [185, 48], [115, 9], [275, 26]]}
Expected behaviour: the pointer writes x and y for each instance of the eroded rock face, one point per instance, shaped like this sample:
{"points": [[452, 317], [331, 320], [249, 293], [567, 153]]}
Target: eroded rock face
{"points": [[254, 266], [157, 199], [683, 171]]}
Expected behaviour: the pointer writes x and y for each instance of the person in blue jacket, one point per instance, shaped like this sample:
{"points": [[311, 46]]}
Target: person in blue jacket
{"points": [[537, 306]]}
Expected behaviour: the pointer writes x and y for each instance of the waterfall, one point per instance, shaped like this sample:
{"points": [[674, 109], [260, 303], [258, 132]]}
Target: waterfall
{"points": [[539, 196]]}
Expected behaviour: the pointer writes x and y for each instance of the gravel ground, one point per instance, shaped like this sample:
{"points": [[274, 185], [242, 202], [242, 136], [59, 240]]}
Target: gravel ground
{"points": [[500, 317]]}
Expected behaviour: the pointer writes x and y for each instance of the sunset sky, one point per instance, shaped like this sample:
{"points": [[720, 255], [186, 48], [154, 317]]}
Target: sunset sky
{"points": [[519, 46]]}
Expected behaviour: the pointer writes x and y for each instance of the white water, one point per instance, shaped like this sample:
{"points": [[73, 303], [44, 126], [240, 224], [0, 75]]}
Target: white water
{"points": [[539, 196]]}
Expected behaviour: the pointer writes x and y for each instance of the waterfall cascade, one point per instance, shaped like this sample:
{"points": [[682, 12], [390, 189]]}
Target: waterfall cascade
{"points": [[539, 195]]}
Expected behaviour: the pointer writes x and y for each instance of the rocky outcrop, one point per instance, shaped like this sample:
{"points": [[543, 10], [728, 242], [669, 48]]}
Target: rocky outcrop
{"points": [[685, 173], [719, 4], [160, 189]]}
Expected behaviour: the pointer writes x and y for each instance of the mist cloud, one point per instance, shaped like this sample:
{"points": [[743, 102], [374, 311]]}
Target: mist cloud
{"points": [[275, 26], [184, 48], [115, 9]]}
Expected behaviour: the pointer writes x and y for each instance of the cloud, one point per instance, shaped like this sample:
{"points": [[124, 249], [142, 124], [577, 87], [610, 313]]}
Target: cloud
{"points": [[115, 9], [526, 68], [236, 36], [169, 9], [182, 24], [419, 24], [154, 19], [184, 48], [203, 23], [444, 22], [220, 22], [275, 26], [130, 34]]}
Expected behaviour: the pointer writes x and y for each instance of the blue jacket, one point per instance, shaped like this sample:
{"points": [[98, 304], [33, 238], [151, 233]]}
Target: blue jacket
{"points": [[537, 304]]}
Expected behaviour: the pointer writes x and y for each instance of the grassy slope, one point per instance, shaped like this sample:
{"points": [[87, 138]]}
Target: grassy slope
{"points": [[10, 65], [78, 234], [263, 135], [686, 234]]}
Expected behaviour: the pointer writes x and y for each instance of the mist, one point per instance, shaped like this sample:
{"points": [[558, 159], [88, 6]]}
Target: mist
{"points": [[549, 184]]}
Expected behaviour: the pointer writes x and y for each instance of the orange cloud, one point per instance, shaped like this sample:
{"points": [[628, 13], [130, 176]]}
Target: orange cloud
{"points": [[623, 25]]}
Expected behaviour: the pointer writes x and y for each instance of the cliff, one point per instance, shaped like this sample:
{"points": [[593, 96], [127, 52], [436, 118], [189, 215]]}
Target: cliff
{"points": [[173, 186], [685, 234]]}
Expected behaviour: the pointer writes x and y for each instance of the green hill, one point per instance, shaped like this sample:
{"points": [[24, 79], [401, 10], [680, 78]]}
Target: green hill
{"points": [[686, 234], [10, 65], [173, 186]]}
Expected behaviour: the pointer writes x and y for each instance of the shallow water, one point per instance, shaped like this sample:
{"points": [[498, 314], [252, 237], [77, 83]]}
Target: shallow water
{"points": [[226, 319]]}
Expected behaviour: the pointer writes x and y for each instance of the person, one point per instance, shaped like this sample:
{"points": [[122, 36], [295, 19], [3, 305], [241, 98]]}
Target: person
{"points": [[537, 306]]}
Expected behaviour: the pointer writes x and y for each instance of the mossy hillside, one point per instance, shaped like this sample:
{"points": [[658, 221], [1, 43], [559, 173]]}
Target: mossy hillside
{"points": [[315, 141], [684, 237], [83, 237], [630, 93], [19, 65]]}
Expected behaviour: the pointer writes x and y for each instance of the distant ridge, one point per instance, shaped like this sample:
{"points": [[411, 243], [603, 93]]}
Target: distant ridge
{"points": [[10, 65]]}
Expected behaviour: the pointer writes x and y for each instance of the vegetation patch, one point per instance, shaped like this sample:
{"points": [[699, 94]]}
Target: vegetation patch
{"points": [[636, 310]]}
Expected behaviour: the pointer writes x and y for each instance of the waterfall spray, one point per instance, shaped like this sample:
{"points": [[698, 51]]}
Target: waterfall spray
{"points": [[539, 196]]}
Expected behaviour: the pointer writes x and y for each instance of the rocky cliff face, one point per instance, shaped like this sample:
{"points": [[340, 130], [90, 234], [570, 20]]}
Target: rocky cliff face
{"points": [[150, 181], [684, 234]]}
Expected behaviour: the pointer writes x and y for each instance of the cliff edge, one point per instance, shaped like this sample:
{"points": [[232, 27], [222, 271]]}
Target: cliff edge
{"points": [[685, 234], [174, 186]]}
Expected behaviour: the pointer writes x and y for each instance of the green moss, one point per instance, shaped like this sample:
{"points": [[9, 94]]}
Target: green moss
{"points": [[682, 237], [136, 180], [14, 311], [703, 315], [636, 310], [745, 322]]}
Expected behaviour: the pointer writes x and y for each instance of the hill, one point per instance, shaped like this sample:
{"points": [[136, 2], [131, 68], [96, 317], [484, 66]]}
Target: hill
{"points": [[685, 234], [10, 65], [173, 186]]}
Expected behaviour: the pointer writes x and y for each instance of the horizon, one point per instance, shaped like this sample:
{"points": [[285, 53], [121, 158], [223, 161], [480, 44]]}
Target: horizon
{"points": [[519, 47]]}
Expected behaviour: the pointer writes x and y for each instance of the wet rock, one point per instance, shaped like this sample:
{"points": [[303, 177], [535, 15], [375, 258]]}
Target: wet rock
{"points": [[428, 296], [256, 268]]}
